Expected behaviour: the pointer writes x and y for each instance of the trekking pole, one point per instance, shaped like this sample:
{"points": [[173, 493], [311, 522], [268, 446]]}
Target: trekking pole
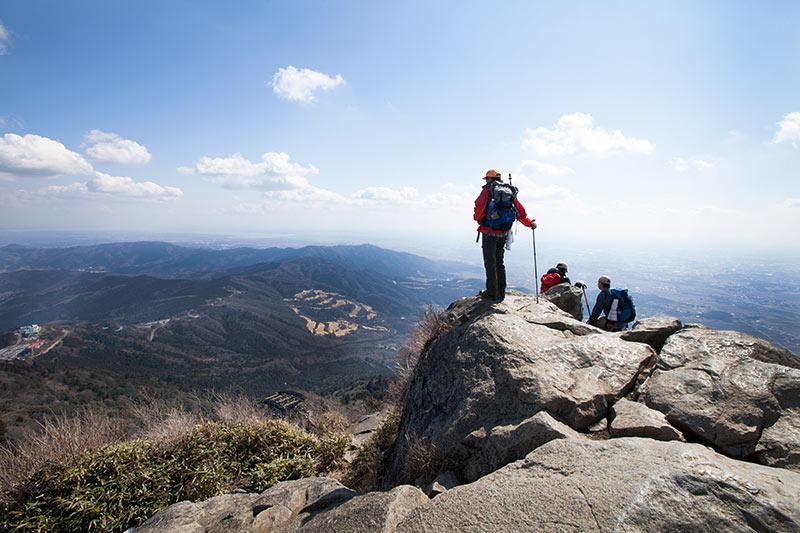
{"points": [[586, 299], [535, 268]]}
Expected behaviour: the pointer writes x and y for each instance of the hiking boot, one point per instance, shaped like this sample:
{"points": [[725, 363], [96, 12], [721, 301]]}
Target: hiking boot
{"points": [[487, 295]]}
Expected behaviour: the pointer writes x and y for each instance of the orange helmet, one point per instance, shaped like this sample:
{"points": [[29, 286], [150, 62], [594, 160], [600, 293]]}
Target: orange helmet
{"points": [[492, 174]]}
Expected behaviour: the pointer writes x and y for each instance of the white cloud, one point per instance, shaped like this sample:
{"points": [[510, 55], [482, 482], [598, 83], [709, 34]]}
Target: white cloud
{"points": [[274, 172], [112, 148], [792, 202], [300, 85], [125, 186], [682, 165], [576, 134], [185, 170], [386, 194], [105, 186], [4, 38], [34, 155], [546, 169], [72, 189], [788, 129], [307, 196]]}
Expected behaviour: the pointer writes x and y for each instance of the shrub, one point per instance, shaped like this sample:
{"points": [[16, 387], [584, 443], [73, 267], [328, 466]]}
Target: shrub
{"points": [[122, 484]]}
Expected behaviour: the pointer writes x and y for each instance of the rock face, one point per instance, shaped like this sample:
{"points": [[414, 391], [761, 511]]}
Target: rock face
{"points": [[504, 444], [229, 512], [653, 331], [501, 367], [628, 484], [372, 512], [277, 509], [734, 391], [632, 419], [568, 298]]}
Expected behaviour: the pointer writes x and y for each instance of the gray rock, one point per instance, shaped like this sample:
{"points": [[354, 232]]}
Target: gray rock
{"points": [[568, 298], [371, 512], [633, 419], [600, 425], [547, 314], [731, 390], [544, 313], [276, 509], [228, 512], [507, 443], [442, 483], [628, 484], [300, 494], [499, 367], [181, 517], [653, 331], [276, 519], [778, 445]]}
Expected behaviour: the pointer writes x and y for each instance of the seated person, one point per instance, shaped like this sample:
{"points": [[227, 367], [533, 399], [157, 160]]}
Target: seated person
{"points": [[554, 277], [603, 304], [561, 268]]}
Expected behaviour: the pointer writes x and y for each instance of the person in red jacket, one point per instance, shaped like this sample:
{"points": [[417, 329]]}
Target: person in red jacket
{"points": [[494, 240]]}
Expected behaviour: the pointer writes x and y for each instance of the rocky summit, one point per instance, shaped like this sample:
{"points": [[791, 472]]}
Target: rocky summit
{"points": [[519, 417]]}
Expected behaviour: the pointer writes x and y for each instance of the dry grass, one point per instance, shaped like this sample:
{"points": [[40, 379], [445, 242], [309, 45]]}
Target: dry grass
{"points": [[58, 439], [431, 325], [232, 408], [366, 472], [422, 463]]}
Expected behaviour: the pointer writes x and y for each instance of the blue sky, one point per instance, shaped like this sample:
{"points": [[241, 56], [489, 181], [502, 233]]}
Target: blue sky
{"points": [[676, 123]]}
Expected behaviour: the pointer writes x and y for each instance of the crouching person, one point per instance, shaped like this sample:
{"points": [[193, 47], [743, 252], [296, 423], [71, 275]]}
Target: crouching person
{"points": [[614, 304]]}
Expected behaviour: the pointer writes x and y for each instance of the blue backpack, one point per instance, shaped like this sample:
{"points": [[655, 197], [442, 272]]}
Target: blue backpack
{"points": [[625, 310], [501, 210]]}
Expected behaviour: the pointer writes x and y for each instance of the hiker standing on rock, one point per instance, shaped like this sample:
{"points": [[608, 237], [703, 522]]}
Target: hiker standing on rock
{"points": [[496, 209]]}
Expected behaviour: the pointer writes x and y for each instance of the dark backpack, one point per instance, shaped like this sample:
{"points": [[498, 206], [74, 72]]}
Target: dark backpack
{"points": [[626, 311], [501, 210]]}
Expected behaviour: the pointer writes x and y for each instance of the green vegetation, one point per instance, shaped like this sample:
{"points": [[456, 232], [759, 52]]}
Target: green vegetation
{"points": [[118, 485]]}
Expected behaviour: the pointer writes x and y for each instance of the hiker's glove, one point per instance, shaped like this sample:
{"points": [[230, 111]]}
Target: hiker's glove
{"points": [[580, 285], [533, 224]]}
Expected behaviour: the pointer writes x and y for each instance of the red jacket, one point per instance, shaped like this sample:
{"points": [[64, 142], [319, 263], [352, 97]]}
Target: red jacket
{"points": [[480, 212]]}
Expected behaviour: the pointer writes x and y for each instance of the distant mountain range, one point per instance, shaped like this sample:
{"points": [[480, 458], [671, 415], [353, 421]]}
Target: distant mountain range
{"points": [[172, 261], [180, 320]]}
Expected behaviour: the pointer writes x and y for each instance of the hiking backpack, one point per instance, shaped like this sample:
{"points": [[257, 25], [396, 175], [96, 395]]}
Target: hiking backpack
{"points": [[622, 308], [501, 210], [549, 280]]}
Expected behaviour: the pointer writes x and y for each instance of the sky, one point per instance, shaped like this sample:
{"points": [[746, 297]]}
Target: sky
{"points": [[663, 125]]}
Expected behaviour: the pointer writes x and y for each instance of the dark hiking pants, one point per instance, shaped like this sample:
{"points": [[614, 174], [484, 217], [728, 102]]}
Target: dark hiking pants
{"points": [[493, 249]]}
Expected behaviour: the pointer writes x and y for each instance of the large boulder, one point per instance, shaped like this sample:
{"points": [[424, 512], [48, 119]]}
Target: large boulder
{"points": [[504, 444], [228, 512], [627, 484], [498, 368], [568, 298], [277, 509], [653, 331], [543, 312], [737, 392], [369, 513], [633, 419]]}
